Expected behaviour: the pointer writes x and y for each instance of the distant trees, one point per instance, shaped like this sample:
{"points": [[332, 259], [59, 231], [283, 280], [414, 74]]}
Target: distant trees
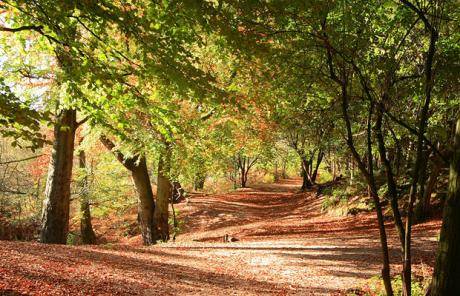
{"points": [[375, 66], [244, 164]]}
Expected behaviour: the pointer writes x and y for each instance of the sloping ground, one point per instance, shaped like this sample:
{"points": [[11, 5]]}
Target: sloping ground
{"points": [[286, 247]]}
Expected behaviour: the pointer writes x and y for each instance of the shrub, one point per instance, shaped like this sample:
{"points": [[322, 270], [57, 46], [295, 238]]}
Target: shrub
{"points": [[72, 239]]}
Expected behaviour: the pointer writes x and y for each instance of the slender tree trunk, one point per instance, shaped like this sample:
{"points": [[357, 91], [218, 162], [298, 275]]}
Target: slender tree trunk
{"points": [[276, 174], [284, 174], [446, 276], [319, 159], [164, 194], [306, 183], [418, 165], [334, 170], [369, 175], [55, 216], [86, 228], [392, 188], [398, 152], [422, 207], [352, 171]]}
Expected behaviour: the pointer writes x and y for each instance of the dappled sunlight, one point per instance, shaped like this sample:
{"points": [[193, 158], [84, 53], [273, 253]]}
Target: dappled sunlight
{"points": [[301, 252]]}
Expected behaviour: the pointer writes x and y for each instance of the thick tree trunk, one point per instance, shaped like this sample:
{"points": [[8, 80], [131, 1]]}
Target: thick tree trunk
{"points": [[137, 165], [146, 204], [446, 277], [164, 194], [86, 228], [55, 215]]}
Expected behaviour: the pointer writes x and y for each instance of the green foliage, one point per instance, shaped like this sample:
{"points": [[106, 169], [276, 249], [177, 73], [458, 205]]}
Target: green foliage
{"points": [[19, 121], [72, 239], [176, 228], [334, 197], [375, 286]]}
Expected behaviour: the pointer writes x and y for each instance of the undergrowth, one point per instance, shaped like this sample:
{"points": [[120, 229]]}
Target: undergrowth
{"points": [[375, 287], [344, 199]]}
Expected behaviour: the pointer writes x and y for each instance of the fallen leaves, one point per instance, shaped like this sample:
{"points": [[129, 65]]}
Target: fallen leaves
{"points": [[286, 247]]}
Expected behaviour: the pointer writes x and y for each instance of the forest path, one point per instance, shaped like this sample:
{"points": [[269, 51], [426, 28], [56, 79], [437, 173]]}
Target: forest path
{"points": [[286, 247]]}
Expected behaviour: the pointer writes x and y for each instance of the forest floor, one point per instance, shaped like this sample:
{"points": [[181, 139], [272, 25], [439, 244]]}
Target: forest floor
{"points": [[285, 246]]}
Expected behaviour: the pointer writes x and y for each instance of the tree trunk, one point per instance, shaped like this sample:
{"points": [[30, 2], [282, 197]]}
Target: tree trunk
{"points": [[243, 176], [137, 165], [306, 181], [390, 180], [422, 206], [164, 194], [318, 163], [419, 165], [446, 276], [198, 184], [283, 173], [146, 204], [334, 170], [368, 173], [352, 171], [276, 175], [55, 215], [86, 228]]}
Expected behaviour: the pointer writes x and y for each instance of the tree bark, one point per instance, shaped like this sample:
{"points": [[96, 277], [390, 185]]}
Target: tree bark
{"points": [[422, 206], [55, 215], [243, 175], [86, 228], [137, 165], [146, 203], [392, 188], [244, 164], [164, 194], [422, 126], [369, 175], [306, 180], [446, 276], [319, 159], [198, 183]]}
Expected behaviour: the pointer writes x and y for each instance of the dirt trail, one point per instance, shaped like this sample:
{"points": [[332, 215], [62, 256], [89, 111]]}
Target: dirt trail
{"points": [[286, 247]]}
